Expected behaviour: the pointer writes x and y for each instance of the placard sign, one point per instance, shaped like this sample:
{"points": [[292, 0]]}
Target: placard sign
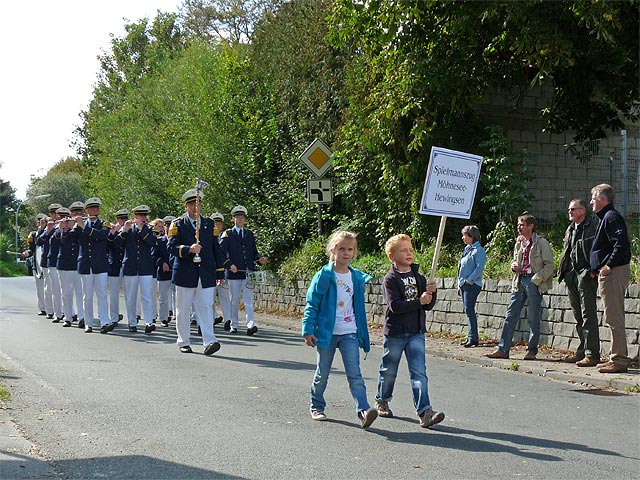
{"points": [[450, 186]]}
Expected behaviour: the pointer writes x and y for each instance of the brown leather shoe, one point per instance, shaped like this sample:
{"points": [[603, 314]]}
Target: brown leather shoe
{"points": [[497, 354], [529, 356], [571, 358], [613, 368], [587, 362], [602, 364]]}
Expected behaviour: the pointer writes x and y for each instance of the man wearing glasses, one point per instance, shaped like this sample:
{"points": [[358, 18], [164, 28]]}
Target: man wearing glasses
{"points": [[582, 286]]}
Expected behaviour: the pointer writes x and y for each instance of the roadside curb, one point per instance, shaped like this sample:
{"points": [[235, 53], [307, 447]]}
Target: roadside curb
{"points": [[556, 372]]}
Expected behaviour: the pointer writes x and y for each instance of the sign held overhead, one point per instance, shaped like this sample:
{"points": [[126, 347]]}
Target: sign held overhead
{"points": [[451, 183]]}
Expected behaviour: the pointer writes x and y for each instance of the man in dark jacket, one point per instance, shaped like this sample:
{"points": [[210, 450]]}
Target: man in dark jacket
{"points": [[197, 267], [582, 287], [610, 259], [241, 255]]}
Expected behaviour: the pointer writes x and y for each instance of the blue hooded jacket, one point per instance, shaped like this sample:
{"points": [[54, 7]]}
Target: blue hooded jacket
{"points": [[320, 312]]}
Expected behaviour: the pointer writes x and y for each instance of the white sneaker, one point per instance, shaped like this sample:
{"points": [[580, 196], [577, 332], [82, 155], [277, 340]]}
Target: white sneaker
{"points": [[318, 415]]}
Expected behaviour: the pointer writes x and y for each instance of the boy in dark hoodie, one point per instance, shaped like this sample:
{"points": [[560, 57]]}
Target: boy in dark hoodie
{"points": [[408, 296]]}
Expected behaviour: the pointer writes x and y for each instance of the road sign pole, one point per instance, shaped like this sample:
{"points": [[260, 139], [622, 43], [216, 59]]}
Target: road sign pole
{"points": [[319, 220]]}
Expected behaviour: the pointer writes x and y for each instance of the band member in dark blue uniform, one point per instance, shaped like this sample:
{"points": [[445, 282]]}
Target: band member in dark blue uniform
{"points": [[138, 267], [93, 265], [196, 269], [67, 264], [52, 291], [241, 254], [115, 254]]}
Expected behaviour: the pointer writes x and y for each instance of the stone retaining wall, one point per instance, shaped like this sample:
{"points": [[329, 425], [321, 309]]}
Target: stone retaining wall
{"points": [[557, 330]]}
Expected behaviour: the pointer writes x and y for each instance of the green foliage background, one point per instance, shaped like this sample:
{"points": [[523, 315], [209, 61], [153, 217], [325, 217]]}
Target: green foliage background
{"points": [[232, 91]]}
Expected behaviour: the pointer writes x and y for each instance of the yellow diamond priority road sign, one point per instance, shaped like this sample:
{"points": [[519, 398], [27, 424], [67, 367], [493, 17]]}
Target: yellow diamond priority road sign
{"points": [[317, 157]]}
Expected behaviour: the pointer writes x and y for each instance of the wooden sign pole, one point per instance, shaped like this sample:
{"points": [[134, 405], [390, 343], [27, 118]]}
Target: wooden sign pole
{"points": [[436, 253]]}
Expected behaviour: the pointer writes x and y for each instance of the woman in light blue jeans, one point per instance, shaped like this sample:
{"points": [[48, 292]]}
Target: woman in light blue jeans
{"points": [[470, 270]]}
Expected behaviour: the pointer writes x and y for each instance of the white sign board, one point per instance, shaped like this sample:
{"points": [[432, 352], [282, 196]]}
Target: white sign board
{"points": [[317, 157], [450, 186], [319, 190]]}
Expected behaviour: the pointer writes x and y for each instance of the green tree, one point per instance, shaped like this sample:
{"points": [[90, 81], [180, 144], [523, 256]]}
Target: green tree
{"points": [[417, 70]]}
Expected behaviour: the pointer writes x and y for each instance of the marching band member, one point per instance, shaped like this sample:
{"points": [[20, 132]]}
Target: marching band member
{"points": [[52, 292], [138, 267], [223, 289], [115, 254], [196, 269], [76, 209], [172, 289], [67, 262], [163, 271], [241, 253], [35, 253], [93, 265]]}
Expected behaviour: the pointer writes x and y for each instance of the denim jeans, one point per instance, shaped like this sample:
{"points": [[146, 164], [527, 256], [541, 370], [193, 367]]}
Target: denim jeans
{"points": [[527, 290], [350, 351], [469, 293], [412, 344]]}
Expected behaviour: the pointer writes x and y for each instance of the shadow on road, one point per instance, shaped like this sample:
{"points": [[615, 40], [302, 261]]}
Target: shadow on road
{"points": [[138, 467], [445, 436]]}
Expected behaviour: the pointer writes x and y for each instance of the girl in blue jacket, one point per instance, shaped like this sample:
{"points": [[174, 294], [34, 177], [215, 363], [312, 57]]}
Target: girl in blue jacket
{"points": [[334, 318]]}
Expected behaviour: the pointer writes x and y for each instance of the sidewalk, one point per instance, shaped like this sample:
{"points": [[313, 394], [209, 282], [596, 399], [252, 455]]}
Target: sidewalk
{"points": [[548, 363]]}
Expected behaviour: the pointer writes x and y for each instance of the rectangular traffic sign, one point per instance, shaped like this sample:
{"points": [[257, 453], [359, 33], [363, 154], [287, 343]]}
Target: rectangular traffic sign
{"points": [[319, 190]]}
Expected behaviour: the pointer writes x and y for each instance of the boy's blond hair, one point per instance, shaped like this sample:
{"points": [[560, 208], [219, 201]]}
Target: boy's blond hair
{"points": [[392, 243], [337, 237]]}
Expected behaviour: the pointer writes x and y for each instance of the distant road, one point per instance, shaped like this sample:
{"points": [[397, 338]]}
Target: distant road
{"points": [[130, 406]]}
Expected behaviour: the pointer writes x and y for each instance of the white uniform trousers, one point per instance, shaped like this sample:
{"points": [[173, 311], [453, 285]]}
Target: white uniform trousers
{"points": [[68, 285], [52, 282], [200, 298], [48, 298], [142, 284], [224, 296], [154, 298], [164, 299], [42, 307], [237, 287], [95, 282], [77, 290], [114, 298]]}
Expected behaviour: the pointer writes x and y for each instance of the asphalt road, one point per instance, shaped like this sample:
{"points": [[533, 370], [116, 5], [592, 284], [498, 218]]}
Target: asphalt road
{"points": [[126, 405]]}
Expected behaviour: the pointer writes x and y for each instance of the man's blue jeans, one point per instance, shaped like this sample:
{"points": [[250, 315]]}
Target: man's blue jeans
{"points": [[412, 344], [527, 290], [469, 293], [350, 351]]}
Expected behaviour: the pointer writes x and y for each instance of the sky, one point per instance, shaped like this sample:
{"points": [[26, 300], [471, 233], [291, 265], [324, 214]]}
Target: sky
{"points": [[48, 55]]}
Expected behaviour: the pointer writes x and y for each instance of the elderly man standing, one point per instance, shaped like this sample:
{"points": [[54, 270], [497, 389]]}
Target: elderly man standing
{"points": [[196, 269], [610, 260], [582, 286], [533, 273]]}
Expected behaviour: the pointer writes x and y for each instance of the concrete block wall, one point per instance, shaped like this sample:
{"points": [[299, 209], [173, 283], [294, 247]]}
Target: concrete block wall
{"points": [[560, 172], [557, 329]]}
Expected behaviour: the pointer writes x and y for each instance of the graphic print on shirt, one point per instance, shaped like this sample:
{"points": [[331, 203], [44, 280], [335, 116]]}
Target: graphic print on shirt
{"points": [[345, 294], [410, 287]]}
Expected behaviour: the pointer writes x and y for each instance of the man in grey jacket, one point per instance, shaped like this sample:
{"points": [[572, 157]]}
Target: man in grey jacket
{"points": [[532, 268]]}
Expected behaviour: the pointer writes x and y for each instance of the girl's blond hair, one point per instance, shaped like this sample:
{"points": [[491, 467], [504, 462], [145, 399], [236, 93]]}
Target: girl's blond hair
{"points": [[339, 236]]}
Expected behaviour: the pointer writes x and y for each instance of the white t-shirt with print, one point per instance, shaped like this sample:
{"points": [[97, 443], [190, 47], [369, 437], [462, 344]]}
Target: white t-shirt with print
{"points": [[345, 319]]}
